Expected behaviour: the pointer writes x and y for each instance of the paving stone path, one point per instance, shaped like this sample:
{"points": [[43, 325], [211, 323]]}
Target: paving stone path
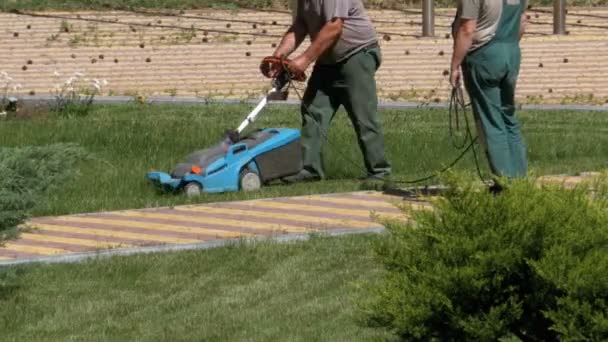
{"points": [[73, 237], [88, 234]]}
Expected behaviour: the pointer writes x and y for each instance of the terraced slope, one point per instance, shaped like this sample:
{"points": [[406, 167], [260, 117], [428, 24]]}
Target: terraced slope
{"points": [[215, 54]]}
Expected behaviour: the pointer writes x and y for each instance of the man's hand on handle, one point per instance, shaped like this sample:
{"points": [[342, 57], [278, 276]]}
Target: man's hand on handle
{"points": [[269, 67], [299, 65], [272, 67]]}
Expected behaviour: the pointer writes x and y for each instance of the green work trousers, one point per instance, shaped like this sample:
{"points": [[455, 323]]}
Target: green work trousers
{"points": [[350, 83], [490, 76]]}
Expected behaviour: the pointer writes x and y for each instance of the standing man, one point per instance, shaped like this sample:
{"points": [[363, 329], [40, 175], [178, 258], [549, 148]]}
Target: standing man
{"points": [[486, 46], [344, 48]]}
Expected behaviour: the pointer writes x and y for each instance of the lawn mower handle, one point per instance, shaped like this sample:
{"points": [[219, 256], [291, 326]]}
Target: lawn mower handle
{"points": [[278, 83], [256, 111]]}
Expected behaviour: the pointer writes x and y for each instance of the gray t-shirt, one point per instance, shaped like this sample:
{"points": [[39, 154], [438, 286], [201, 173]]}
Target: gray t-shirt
{"points": [[358, 30], [487, 13]]}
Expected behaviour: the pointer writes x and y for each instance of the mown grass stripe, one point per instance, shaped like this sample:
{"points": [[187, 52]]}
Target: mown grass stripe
{"points": [[116, 234]]}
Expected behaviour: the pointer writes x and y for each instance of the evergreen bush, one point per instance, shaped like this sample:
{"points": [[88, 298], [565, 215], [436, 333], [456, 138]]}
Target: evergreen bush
{"points": [[27, 174], [528, 264]]}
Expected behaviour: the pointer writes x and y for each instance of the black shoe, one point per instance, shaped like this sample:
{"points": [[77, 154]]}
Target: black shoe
{"points": [[302, 176], [376, 177], [378, 182], [495, 189]]}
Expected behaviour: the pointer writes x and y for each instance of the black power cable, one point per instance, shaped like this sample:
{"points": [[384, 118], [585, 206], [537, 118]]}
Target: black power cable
{"points": [[457, 107]]}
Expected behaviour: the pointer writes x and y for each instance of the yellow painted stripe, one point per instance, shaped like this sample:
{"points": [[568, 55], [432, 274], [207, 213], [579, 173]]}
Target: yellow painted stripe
{"points": [[552, 179], [396, 201], [34, 249], [115, 234], [211, 220], [261, 214], [320, 209], [388, 198], [74, 241], [151, 226], [351, 201], [416, 206]]}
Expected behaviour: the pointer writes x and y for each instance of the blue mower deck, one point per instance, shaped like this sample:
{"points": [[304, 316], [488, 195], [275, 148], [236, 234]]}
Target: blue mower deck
{"points": [[269, 153]]}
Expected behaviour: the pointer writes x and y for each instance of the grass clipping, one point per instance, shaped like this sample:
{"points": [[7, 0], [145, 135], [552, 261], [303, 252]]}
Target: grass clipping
{"points": [[531, 263], [27, 174]]}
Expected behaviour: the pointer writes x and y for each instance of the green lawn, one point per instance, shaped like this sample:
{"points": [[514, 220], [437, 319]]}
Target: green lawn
{"points": [[129, 140], [301, 291], [7, 5], [264, 291]]}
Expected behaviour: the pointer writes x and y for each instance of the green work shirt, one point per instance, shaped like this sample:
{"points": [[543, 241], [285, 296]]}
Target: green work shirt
{"points": [[358, 31], [487, 13]]}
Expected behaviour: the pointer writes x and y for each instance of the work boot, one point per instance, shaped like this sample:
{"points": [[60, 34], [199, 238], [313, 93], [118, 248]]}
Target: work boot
{"points": [[495, 189], [380, 176], [302, 176], [378, 181]]}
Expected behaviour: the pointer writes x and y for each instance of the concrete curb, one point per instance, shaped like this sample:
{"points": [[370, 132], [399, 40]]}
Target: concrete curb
{"points": [[79, 257]]}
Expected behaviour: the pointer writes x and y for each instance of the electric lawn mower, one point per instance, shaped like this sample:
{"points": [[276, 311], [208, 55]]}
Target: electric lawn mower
{"points": [[241, 163]]}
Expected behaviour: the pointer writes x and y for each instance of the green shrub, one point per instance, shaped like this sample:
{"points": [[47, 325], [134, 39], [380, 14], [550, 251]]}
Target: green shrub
{"points": [[531, 264], [27, 173]]}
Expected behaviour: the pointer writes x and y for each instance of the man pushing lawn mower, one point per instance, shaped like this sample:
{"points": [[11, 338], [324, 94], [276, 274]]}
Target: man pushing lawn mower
{"points": [[346, 54]]}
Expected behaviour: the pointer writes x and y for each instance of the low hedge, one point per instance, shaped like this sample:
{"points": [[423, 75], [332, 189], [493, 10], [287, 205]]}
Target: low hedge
{"points": [[27, 174], [529, 264]]}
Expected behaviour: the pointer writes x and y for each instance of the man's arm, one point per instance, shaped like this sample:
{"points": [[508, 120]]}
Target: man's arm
{"points": [[523, 25], [327, 37], [333, 12], [289, 43], [291, 40], [462, 43]]}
